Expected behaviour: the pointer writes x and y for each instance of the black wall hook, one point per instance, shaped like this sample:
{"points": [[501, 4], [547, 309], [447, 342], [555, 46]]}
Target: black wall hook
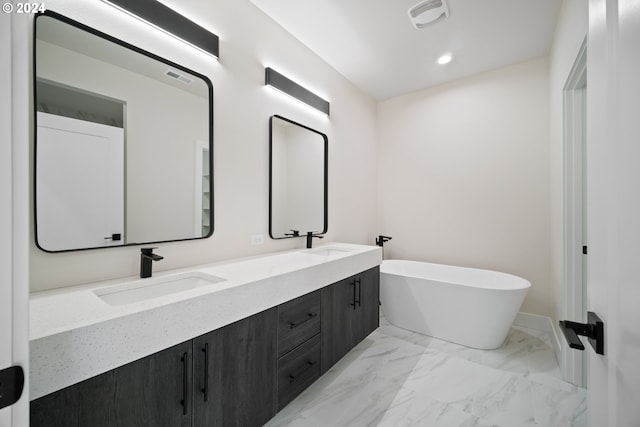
{"points": [[593, 329]]}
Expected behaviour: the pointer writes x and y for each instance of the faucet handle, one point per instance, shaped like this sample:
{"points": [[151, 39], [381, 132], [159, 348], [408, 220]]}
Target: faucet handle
{"points": [[148, 251]]}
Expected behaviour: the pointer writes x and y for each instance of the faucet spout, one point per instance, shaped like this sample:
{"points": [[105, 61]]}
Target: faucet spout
{"points": [[146, 261], [310, 237]]}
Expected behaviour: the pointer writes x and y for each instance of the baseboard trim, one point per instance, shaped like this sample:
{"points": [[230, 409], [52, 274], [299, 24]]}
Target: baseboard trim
{"points": [[540, 323]]}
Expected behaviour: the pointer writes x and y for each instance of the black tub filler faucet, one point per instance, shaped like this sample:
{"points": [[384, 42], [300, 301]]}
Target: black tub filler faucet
{"points": [[381, 240]]}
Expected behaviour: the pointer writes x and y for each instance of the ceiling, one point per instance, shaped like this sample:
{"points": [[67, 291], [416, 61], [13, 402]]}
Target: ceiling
{"points": [[374, 45]]}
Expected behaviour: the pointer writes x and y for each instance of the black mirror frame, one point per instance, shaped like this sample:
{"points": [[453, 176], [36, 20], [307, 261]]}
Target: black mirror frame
{"points": [[326, 175], [69, 21]]}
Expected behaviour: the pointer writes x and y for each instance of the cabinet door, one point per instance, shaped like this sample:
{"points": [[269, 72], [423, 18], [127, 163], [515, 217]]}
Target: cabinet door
{"points": [[235, 373], [153, 391], [368, 297], [337, 321]]}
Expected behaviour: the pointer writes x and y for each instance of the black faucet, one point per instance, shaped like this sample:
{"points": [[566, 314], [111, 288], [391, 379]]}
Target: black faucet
{"points": [[294, 233], [146, 258], [380, 240], [310, 237]]}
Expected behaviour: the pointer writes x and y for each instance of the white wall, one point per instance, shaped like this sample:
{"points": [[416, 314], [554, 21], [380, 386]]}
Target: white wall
{"points": [[463, 175], [571, 30], [249, 41]]}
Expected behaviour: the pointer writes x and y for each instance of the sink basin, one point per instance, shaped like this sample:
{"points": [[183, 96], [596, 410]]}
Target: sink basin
{"points": [[327, 251], [145, 289]]}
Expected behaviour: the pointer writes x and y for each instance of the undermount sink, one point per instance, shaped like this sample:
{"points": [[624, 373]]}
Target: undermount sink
{"points": [[145, 289], [327, 251]]}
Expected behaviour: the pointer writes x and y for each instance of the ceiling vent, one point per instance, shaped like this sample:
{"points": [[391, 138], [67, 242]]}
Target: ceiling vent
{"points": [[184, 79], [427, 12]]}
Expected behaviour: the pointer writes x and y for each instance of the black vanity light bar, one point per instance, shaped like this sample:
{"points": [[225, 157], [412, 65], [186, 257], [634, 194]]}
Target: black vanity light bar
{"points": [[291, 88], [170, 21]]}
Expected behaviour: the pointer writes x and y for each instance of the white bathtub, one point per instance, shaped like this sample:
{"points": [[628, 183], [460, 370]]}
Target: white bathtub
{"points": [[467, 306]]}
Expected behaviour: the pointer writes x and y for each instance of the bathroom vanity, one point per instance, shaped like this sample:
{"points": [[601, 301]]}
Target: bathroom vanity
{"points": [[230, 353]]}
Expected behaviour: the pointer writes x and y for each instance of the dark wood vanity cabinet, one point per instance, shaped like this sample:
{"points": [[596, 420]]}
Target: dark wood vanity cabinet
{"points": [[349, 313], [151, 391], [238, 375], [234, 373], [233, 365]]}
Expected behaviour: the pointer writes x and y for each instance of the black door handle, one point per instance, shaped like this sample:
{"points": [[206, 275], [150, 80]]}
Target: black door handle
{"points": [[185, 383], [11, 385], [353, 304], [205, 389], [593, 330]]}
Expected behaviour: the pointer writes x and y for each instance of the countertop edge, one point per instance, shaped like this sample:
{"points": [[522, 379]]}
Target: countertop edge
{"points": [[66, 358]]}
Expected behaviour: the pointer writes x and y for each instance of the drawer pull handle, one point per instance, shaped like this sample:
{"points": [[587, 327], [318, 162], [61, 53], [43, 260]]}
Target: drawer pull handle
{"points": [[301, 370], [297, 323]]}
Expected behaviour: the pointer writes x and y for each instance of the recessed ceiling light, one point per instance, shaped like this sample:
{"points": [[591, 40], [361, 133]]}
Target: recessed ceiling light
{"points": [[445, 59]]}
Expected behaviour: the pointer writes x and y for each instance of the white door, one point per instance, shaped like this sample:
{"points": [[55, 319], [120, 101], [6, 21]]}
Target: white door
{"points": [[79, 184], [14, 208], [6, 285], [613, 155]]}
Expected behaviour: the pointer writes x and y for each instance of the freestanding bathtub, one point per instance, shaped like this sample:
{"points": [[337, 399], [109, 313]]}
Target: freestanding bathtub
{"points": [[467, 306]]}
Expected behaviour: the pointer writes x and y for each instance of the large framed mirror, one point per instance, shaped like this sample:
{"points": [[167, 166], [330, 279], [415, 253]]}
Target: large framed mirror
{"points": [[123, 142], [297, 179]]}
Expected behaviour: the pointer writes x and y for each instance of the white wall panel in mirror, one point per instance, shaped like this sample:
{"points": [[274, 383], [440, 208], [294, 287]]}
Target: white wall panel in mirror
{"points": [[87, 75], [298, 179]]}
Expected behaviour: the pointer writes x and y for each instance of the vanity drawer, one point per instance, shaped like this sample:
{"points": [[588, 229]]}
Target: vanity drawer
{"points": [[297, 370], [298, 320]]}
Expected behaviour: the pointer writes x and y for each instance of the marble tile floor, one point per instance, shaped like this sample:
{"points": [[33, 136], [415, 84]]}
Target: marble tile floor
{"points": [[400, 378]]}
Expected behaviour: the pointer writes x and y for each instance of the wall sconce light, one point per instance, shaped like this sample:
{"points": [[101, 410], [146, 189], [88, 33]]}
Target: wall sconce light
{"points": [[293, 89], [171, 22]]}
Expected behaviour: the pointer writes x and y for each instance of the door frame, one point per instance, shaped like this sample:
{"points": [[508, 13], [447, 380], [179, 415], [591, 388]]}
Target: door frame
{"points": [[15, 137], [572, 362]]}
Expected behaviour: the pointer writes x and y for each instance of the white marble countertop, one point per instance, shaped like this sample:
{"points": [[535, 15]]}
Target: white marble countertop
{"points": [[75, 335]]}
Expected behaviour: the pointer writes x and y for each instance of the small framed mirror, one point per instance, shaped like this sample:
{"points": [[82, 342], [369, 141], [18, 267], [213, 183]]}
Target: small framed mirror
{"points": [[297, 179], [123, 142]]}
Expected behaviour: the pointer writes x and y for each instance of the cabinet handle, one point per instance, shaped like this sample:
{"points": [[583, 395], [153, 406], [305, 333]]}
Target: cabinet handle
{"points": [[301, 370], [297, 323], [359, 283], [205, 389], [185, 382], [353, 304]]}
